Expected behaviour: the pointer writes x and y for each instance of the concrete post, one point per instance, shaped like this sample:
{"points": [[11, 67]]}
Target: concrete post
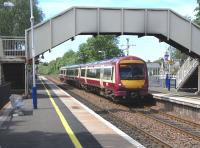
{"points": [[0, 75], [1, 55], [198, 79], [1, 48]]}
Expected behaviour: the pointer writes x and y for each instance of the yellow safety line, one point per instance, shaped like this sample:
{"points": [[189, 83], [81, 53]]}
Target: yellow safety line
{"points": [[64, 121]]}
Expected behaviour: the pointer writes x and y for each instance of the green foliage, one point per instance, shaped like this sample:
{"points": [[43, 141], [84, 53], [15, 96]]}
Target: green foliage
{"points": [[197, 20], [99, 48], [68, 58], [177, 54], [15, 20], [87, 52]]}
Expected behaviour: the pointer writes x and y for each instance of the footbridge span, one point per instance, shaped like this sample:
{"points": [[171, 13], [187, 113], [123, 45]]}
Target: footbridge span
{"points": [[164, 24]]}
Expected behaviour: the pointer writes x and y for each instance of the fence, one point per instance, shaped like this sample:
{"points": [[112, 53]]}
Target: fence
{"points": [[160, 81]]}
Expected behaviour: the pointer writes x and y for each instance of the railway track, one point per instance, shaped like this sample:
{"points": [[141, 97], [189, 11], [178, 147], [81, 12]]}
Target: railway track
{"points": [[143, 136], [181, 125]]}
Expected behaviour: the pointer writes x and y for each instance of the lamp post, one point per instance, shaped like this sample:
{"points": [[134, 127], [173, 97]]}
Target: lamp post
{"points": [[127, 46], [34, 90]]}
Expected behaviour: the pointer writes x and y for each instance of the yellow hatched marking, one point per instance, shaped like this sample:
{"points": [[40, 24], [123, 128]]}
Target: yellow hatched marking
{"points": [[69, 131]]}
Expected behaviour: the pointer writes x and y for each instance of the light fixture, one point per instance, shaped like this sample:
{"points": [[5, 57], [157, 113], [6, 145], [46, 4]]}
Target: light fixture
{"points": [[72, 39], [42, 56], [8, 4]]}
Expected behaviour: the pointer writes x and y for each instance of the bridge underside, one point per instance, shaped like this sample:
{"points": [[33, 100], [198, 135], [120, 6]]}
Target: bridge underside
{"points": [[164, 24]]}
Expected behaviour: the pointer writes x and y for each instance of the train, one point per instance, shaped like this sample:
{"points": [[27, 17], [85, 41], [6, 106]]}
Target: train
{"points": [[118, 78]]}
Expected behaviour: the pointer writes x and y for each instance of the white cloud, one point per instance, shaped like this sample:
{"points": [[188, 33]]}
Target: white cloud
{"points": [[186, 10]]}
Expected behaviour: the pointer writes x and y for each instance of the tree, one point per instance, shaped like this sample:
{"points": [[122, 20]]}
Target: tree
{"points": [[69, 58], [177, 54], [197, 9], [99, 48], [87, 52], [15, 20]]}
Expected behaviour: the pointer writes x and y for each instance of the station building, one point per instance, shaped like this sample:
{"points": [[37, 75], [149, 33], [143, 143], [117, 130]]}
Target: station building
{"points": [[12, 63]]}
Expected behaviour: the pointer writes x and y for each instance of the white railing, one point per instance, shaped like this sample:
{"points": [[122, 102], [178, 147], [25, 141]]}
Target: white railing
{"points": [[13, 47], [186, 70]]}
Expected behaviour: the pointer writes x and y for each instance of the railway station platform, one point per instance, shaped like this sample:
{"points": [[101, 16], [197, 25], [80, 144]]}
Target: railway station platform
{"points": [[60, 121], [182, 104], [182, 98]]}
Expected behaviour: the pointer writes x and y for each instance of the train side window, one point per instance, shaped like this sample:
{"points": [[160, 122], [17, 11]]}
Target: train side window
{"points": [[76, 72], [112, 73], [83, 72], [91, 73], [73, 72], [70, 72], [98, 73], [107, 74]]}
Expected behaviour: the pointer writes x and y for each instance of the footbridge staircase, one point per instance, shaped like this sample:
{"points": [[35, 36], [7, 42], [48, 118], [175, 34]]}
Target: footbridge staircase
{"points": [[187, 70]]}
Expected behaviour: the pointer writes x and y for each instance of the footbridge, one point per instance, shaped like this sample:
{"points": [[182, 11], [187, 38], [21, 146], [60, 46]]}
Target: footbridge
{"points": [[164, 24]]}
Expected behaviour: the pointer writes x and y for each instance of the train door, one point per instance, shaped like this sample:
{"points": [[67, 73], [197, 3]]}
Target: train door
{"points": [[86, 69]]}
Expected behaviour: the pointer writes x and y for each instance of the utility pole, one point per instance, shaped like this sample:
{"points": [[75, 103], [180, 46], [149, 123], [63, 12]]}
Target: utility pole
{"points": [[127, 46]]}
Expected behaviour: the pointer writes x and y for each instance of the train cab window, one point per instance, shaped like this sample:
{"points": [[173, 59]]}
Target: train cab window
{"points": [[83, 72], [107, 74], [131, 71]]}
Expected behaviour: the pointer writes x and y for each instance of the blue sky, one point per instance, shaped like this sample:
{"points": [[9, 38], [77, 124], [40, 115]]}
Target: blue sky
{"points": [[143, 46]]}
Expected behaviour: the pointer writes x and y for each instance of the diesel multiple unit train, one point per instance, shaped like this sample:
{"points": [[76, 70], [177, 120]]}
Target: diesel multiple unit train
{"points": [[117, 78]]}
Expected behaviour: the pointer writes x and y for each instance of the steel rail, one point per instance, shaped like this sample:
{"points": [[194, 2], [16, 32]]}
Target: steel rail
{"points": [[176, 118], [194, 136]]}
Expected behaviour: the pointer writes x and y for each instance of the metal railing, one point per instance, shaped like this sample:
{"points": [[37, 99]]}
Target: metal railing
{"points": [[186, 70], [14, 47], [160, 81]]}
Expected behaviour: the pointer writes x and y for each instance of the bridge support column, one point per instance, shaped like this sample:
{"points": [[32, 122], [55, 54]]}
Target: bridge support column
{"points": [[0, 74], [26, 80], [198, 89]]}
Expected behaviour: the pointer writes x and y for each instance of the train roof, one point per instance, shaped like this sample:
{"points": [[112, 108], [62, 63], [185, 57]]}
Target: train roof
{"points": [[103, 62]]}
